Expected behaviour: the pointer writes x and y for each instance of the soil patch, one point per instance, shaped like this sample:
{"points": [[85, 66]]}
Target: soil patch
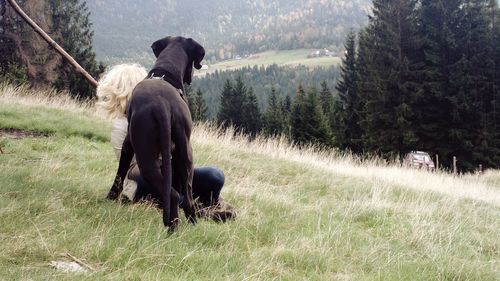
{"points": [[20, 134]]}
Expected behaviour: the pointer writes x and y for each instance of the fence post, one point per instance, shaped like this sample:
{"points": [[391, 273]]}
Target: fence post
{"points": [[454, 165], [437, 162], [480, 168]]}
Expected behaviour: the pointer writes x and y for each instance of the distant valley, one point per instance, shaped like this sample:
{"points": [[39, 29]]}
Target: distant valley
{"points": [[124, 30]]}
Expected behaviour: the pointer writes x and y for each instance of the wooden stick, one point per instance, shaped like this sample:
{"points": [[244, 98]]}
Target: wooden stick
{"points": [[53, 43], [79, 261]]}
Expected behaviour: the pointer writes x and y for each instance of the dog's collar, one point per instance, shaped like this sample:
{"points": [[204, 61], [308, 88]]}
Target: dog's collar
{"points": [[156, 74]]}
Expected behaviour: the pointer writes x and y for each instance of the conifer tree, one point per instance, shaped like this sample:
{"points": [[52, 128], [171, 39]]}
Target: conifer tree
{"points": [[231, 111], [200, 110], [273, 117], [252, 122], [494, 11], [469, 138], [433, 100], [347, 112], [317, 126], [388, 127], [72, 20], [226, 109], [366, 85], [286, 111], [191, 99], [308, 123], [327, 104], [238, 102], [297, 117]]}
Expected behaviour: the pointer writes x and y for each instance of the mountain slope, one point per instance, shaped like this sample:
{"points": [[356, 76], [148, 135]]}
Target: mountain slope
{"points": [[301, 214], [126, 29]]}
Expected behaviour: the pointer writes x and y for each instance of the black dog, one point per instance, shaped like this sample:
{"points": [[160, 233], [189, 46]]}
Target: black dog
{"points": [[160, 124]]}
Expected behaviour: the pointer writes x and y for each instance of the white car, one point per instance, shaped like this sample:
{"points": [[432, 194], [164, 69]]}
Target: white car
{"points": [[419, 159]]}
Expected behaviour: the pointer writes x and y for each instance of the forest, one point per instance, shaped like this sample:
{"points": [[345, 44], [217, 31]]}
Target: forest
{"points": [[283, 79], [226, 28], [422, 75]]}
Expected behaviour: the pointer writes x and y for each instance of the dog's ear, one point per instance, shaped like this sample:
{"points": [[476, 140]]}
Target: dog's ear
{"points": [[197, 52], [160, 45]]}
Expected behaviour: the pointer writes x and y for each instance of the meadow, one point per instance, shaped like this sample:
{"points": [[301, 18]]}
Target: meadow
{"points": [[303, 214], [279, 57]]}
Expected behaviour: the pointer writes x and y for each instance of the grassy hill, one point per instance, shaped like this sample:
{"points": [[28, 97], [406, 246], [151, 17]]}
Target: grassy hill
{"points": [[303, 214], [285, 57]]}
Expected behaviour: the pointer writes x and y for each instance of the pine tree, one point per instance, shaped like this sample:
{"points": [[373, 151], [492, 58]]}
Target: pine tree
{"points": [[308, 123], [388, 115], [297, 117], [72, 19], [366, 85], [286, 111], [231, 110], [238, 103], [252, 122], [191, 99], [468, 132], [273, 117], [347, 110], [226, 109], [495, 110], [317, 126], [326, 98], [199, 110], [433, 100]]}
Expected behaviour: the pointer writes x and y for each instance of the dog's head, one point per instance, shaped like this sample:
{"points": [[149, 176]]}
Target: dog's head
{"points": [[193, 49]]}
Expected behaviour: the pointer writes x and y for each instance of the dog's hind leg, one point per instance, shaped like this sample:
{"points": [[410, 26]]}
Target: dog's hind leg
{"points": [[148, 138], [126, 156], [183, 161]]}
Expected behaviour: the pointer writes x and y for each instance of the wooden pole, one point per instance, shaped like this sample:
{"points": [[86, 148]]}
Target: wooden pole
{"points": [[53, 43], [437, 162]]}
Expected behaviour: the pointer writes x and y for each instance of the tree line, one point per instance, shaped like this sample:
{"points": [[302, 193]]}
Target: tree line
{"points": [[423, 75], [284, 80], [305, 118]]}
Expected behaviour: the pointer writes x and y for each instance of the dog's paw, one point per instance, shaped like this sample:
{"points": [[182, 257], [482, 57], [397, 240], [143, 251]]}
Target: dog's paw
{"points": [[112, 195], [172, 225], [191, 213]]}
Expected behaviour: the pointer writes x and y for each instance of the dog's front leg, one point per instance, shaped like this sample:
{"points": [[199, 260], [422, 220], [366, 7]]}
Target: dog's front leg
{"points": [[126, 156]]}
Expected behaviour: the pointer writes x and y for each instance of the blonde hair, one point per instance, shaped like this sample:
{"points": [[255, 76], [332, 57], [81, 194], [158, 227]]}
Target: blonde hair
{"points": [[116, 85]]}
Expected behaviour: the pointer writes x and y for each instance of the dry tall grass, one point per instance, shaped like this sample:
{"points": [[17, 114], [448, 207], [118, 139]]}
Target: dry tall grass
{"points": [[483, 187], [48, 98], [471, 186]]}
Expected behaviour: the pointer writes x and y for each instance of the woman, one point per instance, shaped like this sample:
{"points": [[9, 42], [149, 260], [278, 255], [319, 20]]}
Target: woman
{"points": [[113, 91]]}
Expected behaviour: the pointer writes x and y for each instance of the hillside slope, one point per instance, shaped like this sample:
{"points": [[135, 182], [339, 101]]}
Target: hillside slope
{"points": [[302, 214], [125, 29]]}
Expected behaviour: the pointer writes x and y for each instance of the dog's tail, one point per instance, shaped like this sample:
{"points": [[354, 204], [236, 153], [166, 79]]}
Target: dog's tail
{"points": [[165, 122]]}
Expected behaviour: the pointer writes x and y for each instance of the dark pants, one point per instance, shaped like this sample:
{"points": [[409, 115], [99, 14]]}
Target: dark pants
{"points": [[207, 184]]}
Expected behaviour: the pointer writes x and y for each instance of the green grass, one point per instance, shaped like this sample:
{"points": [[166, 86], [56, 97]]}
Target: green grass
{"points": [[287, 57], [297, 218]]}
